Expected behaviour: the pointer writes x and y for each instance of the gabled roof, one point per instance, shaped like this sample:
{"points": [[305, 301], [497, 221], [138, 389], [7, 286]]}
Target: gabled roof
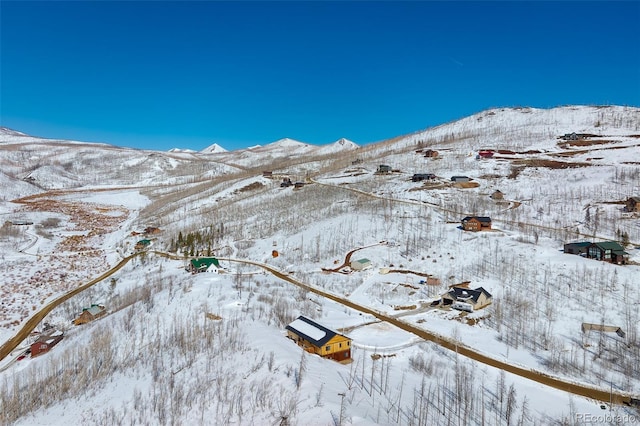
{"points": [[636, 199], [580, 244], [609, 245], [204, 262], [311, 331], [483, 219], [94, 309], [463, 294]]}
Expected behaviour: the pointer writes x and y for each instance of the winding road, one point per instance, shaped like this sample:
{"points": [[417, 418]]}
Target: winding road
{"points": [[575, 388]]}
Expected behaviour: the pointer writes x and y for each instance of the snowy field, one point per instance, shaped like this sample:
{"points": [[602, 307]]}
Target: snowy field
{"points": [[162, 356]]}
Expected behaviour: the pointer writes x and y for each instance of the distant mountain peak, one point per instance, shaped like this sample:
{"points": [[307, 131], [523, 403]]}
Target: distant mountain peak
{"points": [[11, 132], [346, 143], [287, 142], [213, 149]]}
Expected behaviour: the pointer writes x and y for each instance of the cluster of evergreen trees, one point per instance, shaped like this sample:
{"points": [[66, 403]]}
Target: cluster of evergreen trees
{"points": [[197, 243]]}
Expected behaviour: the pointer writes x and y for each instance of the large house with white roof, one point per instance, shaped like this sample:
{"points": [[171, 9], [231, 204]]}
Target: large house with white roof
{"points": [[317, 339]]}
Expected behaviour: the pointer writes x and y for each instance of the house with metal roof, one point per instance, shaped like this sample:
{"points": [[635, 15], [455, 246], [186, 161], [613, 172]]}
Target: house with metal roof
{"points": [[318, 339], [579, 248], [608, 251], [89, 314], [45, 342], [360, 264], [202, 264]]}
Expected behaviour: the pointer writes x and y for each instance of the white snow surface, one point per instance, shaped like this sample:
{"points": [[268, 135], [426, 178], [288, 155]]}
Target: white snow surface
{"points": [[308, 329], [158, 356]]}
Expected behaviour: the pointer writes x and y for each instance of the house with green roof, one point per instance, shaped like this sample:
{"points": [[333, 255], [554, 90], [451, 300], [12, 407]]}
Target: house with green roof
{"points": [[608, 251], [142, 244], [202, 264]]}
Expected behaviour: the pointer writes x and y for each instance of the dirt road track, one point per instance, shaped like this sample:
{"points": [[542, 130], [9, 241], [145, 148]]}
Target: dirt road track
{"points": [[33, 322], [461, 349], [462, 214]]}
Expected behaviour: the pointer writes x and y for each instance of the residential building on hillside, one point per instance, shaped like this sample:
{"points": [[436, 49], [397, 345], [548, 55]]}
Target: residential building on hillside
{"points": [[633, 204], [89, 314], [608, 251], [477, 298], [317, 339], [476, 223], [45, 342], [202, 264], [418, 177]]}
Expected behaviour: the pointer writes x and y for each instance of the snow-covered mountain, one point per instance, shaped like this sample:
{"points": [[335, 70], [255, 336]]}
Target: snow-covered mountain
{"points": [[208, 348], [213, 149]]}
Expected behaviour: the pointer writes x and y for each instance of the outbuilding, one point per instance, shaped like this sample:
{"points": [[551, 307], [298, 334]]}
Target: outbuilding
{"points": [[360, 264]]}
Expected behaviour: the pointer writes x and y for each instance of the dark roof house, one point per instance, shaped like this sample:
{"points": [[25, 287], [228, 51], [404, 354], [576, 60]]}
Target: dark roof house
{"points": [[476, 223], [318, 339], [478, 298]]}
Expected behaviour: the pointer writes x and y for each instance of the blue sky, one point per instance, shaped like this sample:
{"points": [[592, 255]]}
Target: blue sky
{"points": [[158, 75]]}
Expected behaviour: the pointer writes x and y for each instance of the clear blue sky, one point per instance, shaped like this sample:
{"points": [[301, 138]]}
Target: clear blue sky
{"points": [[158, 75]]}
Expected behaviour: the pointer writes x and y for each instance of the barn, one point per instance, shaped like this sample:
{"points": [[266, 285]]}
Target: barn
{"points": [[317, 339]]}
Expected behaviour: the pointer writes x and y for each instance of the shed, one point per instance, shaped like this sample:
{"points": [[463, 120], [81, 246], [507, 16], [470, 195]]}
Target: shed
{"points": [[383, 168], [460, 178], [45, 342], [317, 339], [360, 264], [430, 153]]}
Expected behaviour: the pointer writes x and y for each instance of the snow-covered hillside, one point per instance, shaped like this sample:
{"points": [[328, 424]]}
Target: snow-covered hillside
{"points": [[211, 348]]}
